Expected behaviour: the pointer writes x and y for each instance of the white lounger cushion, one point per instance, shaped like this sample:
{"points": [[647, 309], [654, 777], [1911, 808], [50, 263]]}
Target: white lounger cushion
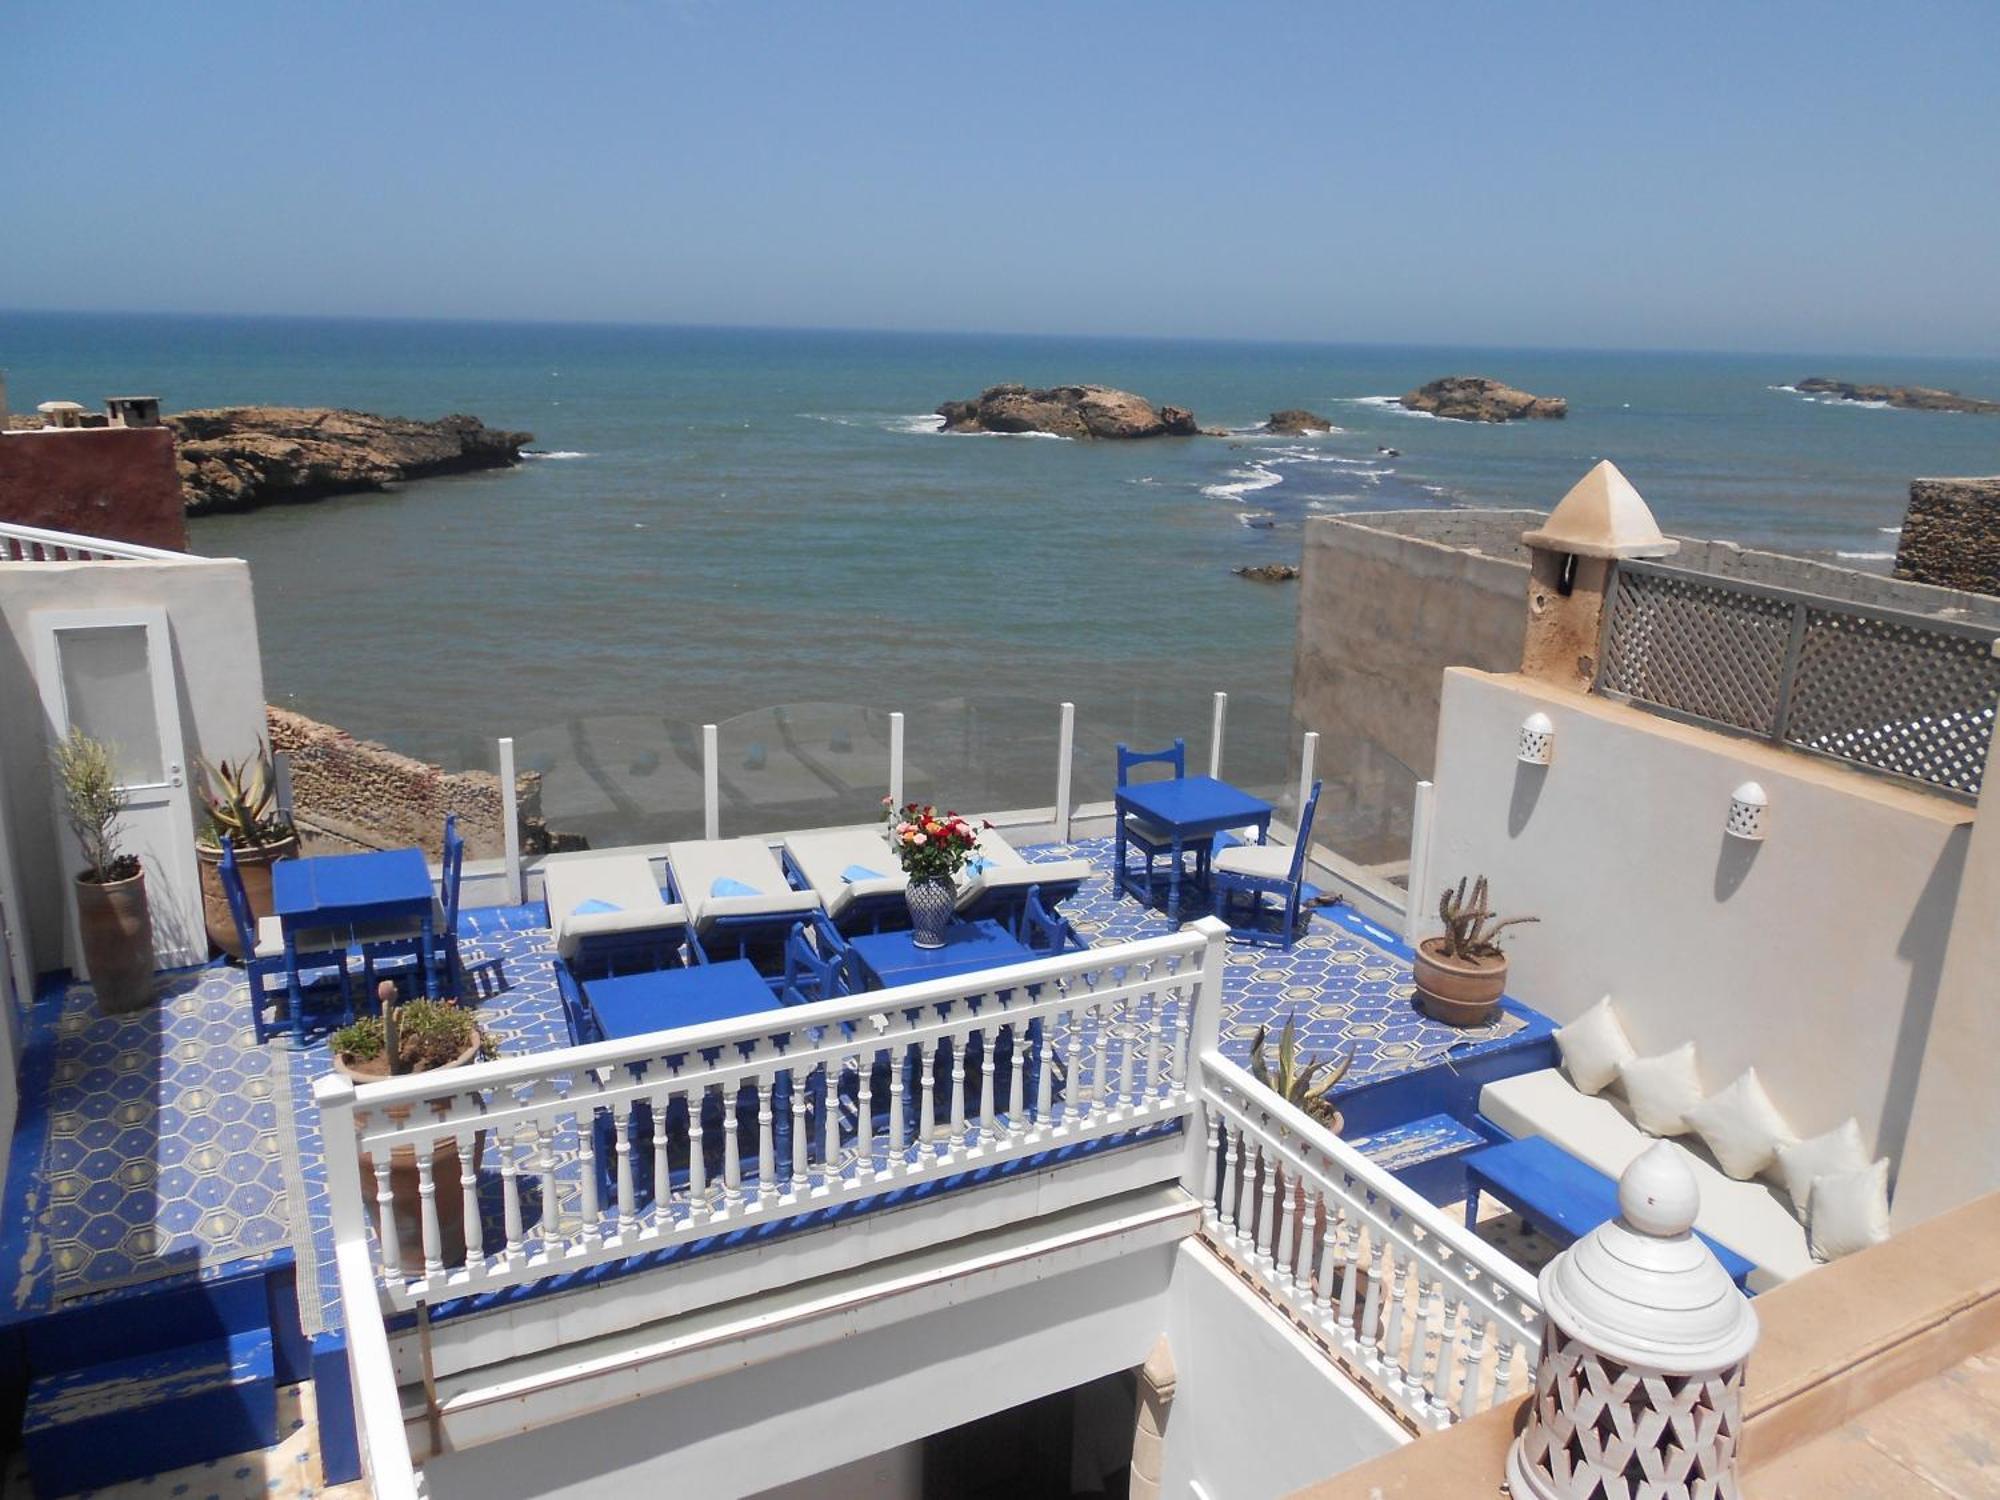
{"points": [[1005, 870], [625, 881], [699, 864], [822, 857], [1749, 1217], [1263, 861]]}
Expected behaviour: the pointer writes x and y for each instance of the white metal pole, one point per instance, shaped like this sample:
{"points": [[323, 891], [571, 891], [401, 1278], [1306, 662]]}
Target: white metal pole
{"points": [[281, 769], [895, 760], [711, 785], [1419, 901], [1308, 753], [1215, 734], [510, 828], [1065, 747]]}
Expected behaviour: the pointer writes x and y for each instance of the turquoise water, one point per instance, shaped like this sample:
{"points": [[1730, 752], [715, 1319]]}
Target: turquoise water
{"points": [[726, 519]]}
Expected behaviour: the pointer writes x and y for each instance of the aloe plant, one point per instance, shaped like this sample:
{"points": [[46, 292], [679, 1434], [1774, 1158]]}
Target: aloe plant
{"points": [[1470, 932], [1299, 1082], [242, 800]]}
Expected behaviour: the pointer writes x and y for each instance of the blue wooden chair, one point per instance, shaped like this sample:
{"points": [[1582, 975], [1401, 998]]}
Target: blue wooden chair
{"points": [[1246, 876], [263, 944], [1044, 930], [405, 940], [819, 965], [1153, 842]]}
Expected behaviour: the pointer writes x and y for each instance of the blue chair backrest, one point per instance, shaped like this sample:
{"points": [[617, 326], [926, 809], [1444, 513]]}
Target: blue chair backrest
{"points": [[238, 898], [1176, 756], [451, 873], [1302, 843], [817, 962]]}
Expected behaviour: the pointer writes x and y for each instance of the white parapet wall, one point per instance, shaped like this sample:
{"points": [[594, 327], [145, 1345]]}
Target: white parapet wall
{"points": [[1813, 954]]}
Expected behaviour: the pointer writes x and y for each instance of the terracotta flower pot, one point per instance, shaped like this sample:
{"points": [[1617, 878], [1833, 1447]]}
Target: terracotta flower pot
{"points": [[1458, 992], [255, 867], [403, 1181], [114, 928]]}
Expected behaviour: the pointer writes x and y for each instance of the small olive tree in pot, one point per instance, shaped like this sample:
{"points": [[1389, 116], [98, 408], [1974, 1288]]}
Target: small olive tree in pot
{"points": [[113, 922]]}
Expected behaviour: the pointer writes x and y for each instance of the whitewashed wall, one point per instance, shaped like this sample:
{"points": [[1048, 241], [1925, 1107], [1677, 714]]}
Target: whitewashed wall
{"points": [[217, 669], [1814, 956], [1257, 1413]]}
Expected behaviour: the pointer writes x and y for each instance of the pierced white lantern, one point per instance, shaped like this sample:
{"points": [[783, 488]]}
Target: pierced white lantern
{"points": [[1639, 1389], [1748, 809], [1538, 740]]}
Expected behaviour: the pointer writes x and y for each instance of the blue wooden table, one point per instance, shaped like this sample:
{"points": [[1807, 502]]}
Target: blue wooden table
{"points": [[1563, 1197], [635, 1004], [1193, 809], [349, 893], [893, 958]]}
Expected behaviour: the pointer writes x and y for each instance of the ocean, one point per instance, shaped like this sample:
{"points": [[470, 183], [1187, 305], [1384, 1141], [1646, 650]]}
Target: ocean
{"points": [[719, 520]]}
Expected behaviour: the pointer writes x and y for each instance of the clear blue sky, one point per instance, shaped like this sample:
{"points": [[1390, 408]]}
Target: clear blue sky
{"points": [[1821, 176]]}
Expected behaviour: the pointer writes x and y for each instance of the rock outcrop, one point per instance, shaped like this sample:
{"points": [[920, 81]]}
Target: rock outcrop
{"points": [[1910, 397], [238, 457], [1071, 411], [1269, 572], [1295, 422], [1474, 398], [1951, 534]]}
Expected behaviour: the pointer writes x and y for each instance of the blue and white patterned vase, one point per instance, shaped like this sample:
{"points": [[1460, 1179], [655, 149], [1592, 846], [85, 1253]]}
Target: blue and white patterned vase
{"points": [[931, 904]]}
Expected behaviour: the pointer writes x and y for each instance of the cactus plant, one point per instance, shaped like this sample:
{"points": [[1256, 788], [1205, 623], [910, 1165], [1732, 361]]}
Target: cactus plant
{"points": [[1297, 1082], [1470, 931], [242, 801]]}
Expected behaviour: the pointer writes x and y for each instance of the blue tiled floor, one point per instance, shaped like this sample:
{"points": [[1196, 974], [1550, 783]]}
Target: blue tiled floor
{"points": [[168, 1143]]}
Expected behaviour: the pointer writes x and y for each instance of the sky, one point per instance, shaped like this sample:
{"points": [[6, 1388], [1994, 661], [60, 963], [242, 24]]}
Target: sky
{"points": [[1821, 176]]}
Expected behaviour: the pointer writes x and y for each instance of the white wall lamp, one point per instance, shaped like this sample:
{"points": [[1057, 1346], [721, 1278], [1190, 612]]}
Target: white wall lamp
{"points": [[1749, 807], [1538, 740]]}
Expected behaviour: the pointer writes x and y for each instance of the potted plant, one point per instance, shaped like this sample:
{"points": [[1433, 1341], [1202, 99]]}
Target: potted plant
{"points": [[1462, 973], [418, 1036], [114, 925], [1298, 1083], [242, 802], [933, 847]]}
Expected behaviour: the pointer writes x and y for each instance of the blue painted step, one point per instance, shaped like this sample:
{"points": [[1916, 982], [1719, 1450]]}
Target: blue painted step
{"points": [[1425, 1153], [126, 1418]]}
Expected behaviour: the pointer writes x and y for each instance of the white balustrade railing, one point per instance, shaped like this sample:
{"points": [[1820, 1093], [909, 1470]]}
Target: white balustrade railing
{"points": [[1437, 1322], [33, 544], [506, 1172]]}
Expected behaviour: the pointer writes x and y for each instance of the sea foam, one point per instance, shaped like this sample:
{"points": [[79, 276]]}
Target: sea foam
{"points": [[552, 453], [1241, 482]]}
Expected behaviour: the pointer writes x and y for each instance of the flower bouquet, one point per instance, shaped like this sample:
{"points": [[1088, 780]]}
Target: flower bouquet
{"points": [[932, 847]]}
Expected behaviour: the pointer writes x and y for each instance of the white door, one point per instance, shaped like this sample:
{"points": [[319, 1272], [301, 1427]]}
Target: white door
{"points": [[110, 673]]}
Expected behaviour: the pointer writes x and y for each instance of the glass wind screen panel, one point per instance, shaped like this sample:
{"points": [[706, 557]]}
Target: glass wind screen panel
{"points": [[108, 688]]}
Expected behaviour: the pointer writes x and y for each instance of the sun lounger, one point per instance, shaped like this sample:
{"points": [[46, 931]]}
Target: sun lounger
{"points": [[854, 872], [736, 892], [997, 880], [610, 913]]}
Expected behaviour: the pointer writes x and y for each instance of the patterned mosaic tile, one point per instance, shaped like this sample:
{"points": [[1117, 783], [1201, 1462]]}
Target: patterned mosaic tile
{"points": [[175, 1142]]}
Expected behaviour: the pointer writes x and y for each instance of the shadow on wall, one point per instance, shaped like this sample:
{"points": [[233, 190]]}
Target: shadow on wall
{"points": [[1732, 864], [1923, 943], [1529, 779]]}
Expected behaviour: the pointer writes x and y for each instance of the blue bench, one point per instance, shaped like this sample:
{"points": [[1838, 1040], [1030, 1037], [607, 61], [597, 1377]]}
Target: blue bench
{"points": [[1559, 1195]]}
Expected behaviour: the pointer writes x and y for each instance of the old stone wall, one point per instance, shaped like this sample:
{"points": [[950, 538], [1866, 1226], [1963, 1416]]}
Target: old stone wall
{"points": [[118, 483], [355, 794], [1951, 534]]}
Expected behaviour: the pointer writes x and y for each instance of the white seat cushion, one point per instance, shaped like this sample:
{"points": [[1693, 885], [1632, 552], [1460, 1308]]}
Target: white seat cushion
{"points": [[824, 857], [1007, 871], [1263, 861], [1749, 1217], [271, 939], [1152, 832], [698, 864], [623, 881]]}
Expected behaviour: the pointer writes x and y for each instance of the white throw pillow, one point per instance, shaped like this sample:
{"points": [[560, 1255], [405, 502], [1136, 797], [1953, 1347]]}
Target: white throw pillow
{"points": [[1661, 1090], [1594, 1047], [1741, 1126], [1839, 1150], [1850, 1211]]}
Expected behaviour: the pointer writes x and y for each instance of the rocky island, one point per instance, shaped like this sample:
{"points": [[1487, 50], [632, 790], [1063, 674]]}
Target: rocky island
{"points": [[1909, 397], [1296, 422], [239, 457], [1071, 411], [1474, 398]]}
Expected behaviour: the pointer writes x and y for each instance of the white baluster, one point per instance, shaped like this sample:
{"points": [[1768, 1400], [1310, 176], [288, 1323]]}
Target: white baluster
{"points": [[385, 1215], [1267, 1213], [956, 1111], [1327, 1265], [1474, 1361], [545, 1168], [663, 1177], [1213, 1160], [1156, 1030], [732, 1161], [586, 1134], [1350, 1278], [621, 1122], [984, 1121], [927, 1116], [829, 1151], [1232, 1181], [468, 1189], [1392, 1341], [698, 1205], [1017, 1074], [767, 1166], [510, 1192], [864, 1120], [899, 1127], [427, 1202], [799, 1175], [1369, 1331]]}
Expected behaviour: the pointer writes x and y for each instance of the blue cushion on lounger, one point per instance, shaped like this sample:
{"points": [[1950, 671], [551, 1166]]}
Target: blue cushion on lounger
{"points": [[593, 907], [977, 865], [725, 885], [859, 872]]}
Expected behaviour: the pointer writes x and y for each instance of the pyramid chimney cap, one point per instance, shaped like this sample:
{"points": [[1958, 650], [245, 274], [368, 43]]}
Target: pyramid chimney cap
{"points": [[1602, 516]]}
